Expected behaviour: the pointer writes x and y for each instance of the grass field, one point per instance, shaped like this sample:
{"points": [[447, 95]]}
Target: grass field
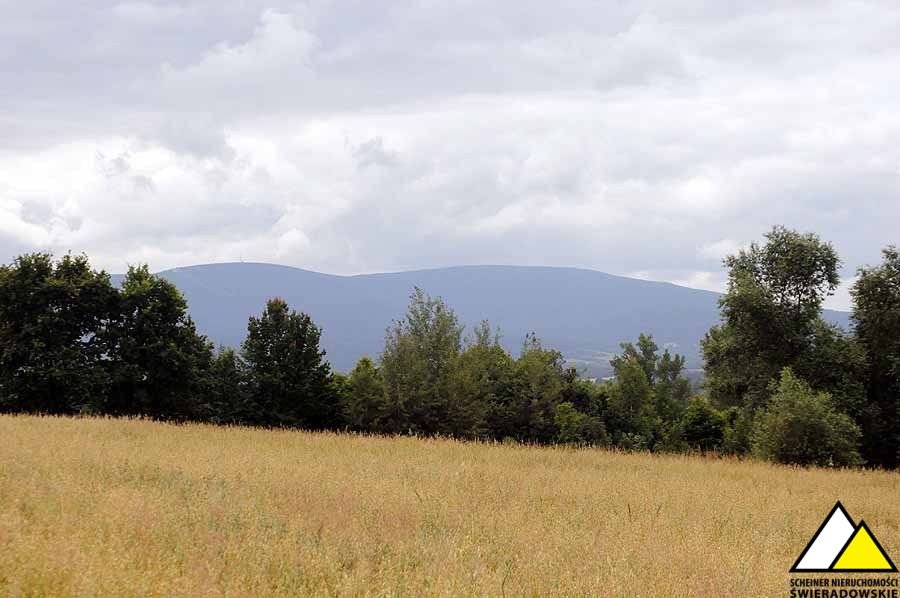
{"points": [[110, 507]]}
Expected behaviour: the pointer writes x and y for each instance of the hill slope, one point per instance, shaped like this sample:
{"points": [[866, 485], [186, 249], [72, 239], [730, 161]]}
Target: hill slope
{"points": [[583, 313]]}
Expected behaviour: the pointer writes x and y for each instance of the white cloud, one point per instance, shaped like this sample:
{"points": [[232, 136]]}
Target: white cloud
{"points": [[697, 279], [278, 51], [356, 137], [718, 250], [710, 281], [13, 226]]}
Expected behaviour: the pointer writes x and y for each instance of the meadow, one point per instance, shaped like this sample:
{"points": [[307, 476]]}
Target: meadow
{"points": [[105, 507]]}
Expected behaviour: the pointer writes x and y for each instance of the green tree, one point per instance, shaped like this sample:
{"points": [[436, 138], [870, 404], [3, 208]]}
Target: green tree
{"points": [[803, 427], [586, 396], [417, 366], [738, 430], [703, 426], [671, 390], [651, 409], [575, 427], [645, 354], [631, 419], [365, 406], [159, 361], [876, 315], [290, 381], [53, 320], [835, 362], [480, 386], [227, 389], [769, 314], [538, 382]]}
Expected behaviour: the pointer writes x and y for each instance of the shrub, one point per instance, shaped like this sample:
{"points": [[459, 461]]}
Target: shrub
{"points": [[702, 425], [803, 427], [738, 429], [575, 427]]}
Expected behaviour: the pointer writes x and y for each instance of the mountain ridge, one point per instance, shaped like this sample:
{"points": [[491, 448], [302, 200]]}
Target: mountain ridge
{"points": [[582, 312]]}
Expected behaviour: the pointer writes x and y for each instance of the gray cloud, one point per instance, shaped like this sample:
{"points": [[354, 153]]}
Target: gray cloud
{"points": [[355, 136]]}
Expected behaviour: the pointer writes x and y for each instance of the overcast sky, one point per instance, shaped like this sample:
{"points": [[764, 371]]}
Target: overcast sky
{"points": [[637, 138]]}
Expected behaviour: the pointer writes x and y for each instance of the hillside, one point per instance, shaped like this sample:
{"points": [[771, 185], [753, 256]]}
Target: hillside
{"points": [[103, 507], [583, 313]]}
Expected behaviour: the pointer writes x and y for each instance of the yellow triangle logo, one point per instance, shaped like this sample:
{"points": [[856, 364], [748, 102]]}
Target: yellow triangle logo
{"points": [[863, 553], [841, 546]]}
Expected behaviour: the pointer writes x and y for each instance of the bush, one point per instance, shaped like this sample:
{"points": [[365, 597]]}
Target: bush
{"points": [[803, 427], [738, 429], [575, 427], [702, 425]]}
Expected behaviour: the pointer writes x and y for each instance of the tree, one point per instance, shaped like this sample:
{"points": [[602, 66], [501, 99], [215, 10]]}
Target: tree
{"points": [[803, 427], [539, 379], [158, 360], [835, 362], [290, 381], [769, 314], [227, 389], [586, 396], [702, 426], [738, 430], [645, 354], [53, 319], [876, 315], [632, 419], [575, 427], [365, 405], [671, 390], [650, 408], [417, 365], [480, 385]]}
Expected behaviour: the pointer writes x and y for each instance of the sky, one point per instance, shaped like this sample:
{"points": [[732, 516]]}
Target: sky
{"points": [[647, 139]]}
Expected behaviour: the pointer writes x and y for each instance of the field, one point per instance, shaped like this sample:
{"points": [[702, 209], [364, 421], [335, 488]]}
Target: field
{"points": [[118, 507]]}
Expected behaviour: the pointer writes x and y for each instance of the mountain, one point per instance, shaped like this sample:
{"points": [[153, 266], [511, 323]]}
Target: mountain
{"points": [[583, 313]]}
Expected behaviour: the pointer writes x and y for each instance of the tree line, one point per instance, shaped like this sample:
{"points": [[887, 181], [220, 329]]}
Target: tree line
{"points": [[780, 383]]}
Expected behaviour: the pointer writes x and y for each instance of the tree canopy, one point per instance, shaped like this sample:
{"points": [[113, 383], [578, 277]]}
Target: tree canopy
{"points": [[780, 383]]}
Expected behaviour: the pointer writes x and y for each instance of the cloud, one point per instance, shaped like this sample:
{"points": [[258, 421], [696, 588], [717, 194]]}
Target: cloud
{"points": [[373, 153], [17, 229], [245, 76], [718, 250], [363, 136]]}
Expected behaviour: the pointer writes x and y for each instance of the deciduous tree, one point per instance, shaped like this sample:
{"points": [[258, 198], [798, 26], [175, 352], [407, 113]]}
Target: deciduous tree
{"points": [[53, 323], [159, 362], [876, 315], [417, 365], [770, 315]]}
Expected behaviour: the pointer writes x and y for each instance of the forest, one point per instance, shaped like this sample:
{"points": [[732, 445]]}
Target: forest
{"points": [[779, 382]]}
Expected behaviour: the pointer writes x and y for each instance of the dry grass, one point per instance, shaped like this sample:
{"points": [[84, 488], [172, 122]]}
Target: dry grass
{"points": [[110, 507]]}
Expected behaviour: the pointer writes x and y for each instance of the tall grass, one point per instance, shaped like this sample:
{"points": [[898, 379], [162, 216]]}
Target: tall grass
{"points": [[117, 507]]}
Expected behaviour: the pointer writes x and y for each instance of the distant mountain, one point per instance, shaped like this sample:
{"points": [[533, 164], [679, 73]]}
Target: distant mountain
{"points": [[583, 313]]}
